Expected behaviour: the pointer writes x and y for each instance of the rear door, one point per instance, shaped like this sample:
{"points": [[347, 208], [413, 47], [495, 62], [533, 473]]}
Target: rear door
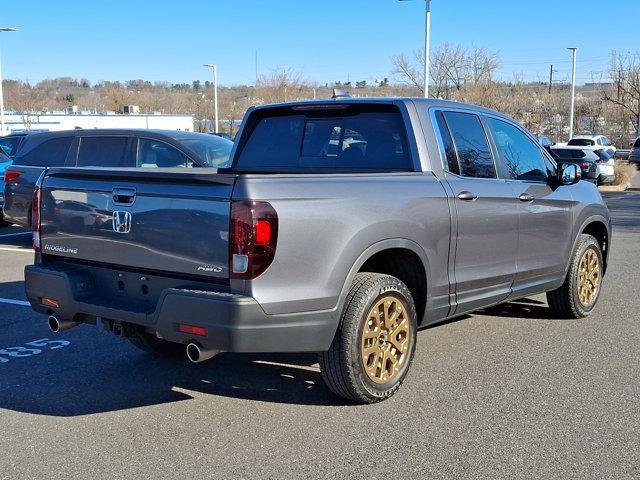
{"points": [[487, 218], [30, 162], [545, 220]]}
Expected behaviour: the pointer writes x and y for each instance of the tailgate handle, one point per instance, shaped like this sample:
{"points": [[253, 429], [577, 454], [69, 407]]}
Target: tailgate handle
{"points": [[124, 196]]}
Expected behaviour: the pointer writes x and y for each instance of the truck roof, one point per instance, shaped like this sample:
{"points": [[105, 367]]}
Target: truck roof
{"points": [[427, 102]]}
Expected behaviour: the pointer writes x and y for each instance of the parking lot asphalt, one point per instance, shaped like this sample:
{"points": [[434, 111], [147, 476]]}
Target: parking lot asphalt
{"points": [[502, 393]]}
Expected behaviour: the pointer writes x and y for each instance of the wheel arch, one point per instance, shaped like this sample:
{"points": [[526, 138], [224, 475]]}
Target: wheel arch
{"points": [[412, 268], [599, 227], [596, 227]]}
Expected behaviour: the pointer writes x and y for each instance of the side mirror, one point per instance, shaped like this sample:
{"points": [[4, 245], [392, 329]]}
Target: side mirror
{"points": [[568, 173]]}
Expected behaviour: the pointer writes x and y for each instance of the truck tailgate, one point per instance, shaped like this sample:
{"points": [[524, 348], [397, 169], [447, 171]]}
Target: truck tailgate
{"points": [[169, 220]]}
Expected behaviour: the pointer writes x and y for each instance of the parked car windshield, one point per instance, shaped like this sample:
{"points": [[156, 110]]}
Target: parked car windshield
{"points": [[581, 142], [211, 149]]}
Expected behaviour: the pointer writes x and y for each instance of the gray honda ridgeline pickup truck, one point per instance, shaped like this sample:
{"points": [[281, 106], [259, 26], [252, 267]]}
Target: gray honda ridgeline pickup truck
{"points": [[339, 227]]}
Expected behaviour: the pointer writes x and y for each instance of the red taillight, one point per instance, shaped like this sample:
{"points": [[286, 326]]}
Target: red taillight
{"points": [[10, 176], [192, 330], [254, 232], [50, 302], [35, 219], [584, 166]]}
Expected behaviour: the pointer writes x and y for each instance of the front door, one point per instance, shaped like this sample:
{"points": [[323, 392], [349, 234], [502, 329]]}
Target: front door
{"points": [[486, 214], [545, 209]]}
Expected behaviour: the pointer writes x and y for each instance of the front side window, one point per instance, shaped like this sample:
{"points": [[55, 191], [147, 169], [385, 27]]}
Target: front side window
{"points": [[157, 154], [472, 148], [103, 152], [520, 155]]}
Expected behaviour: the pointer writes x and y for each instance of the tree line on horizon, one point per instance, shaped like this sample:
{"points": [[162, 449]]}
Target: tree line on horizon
{"points": [[609, 105]]}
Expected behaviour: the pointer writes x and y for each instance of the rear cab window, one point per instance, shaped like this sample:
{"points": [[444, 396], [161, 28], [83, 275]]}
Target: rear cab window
{"points": [[340, 138]]}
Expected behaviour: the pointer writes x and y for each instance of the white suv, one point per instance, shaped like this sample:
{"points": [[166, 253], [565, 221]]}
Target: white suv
{"points": [[593, 142]]}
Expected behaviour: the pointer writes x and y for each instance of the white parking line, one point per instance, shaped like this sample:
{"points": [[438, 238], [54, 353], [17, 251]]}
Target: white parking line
{"points": [[14, 234], [15, 302], [23, 250]]}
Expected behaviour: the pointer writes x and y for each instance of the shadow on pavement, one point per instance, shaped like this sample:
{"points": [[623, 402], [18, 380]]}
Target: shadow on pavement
{"points": [[138, 380]]}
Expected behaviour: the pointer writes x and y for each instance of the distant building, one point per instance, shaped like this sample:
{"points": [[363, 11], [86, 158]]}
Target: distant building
{"points": [[73, 119]]}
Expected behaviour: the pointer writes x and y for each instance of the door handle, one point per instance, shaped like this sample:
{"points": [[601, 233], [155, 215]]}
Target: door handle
{"points": [[467, 196], [525, 197]]}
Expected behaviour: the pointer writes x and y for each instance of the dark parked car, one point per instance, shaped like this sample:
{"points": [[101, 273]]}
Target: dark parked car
{"points": [[634, 156], [584, 159], [103, 148], [5, 161]]}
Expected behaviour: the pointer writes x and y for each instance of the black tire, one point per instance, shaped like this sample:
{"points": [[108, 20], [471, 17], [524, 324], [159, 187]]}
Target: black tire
{"points": [[3, 222], [342, 366], [564, 301], [152, 344]]}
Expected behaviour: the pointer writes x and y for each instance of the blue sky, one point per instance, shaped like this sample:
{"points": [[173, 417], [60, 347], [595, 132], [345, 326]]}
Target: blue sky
{"points": [[323, 40]]}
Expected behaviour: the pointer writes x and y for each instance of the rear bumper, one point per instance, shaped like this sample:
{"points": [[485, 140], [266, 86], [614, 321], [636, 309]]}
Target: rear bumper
{"points": [[233, 322]]}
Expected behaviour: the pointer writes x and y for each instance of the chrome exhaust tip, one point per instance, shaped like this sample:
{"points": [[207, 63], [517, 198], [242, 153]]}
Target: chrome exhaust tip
{"points": [[197, 354], [56, 325]]}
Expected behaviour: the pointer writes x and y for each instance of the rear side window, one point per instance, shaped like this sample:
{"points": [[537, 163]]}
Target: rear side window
{"points": [[349, 141], [472, 148], [449, 149], [50, 153], [103, 152], [637, 144]]}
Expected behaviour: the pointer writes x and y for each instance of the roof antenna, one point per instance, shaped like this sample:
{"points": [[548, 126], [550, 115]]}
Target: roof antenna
{"points": [[338, 93]]}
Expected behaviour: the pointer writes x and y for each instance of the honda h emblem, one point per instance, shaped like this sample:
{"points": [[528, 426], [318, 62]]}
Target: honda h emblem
{"points": [[121, 222]]}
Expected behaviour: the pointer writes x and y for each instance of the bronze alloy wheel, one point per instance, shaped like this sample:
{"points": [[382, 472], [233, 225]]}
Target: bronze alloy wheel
{"points": [[385, 339], [588, 277]]}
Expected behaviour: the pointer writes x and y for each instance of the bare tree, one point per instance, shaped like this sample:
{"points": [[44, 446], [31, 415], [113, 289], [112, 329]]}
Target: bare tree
{"points": [[625, 72], [452, 68]]}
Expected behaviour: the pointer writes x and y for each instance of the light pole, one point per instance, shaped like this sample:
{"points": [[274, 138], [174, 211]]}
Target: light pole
{"points": [[214, 68], [427, 46], [573, 91], [5, 29]]}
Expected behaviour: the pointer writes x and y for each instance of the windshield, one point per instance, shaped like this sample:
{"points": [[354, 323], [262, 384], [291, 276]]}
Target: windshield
{"points": [[581, 142], [213, 150]]}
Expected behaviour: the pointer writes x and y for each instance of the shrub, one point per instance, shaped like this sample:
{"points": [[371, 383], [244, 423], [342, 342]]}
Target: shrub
{"points": [[624, 172]]}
